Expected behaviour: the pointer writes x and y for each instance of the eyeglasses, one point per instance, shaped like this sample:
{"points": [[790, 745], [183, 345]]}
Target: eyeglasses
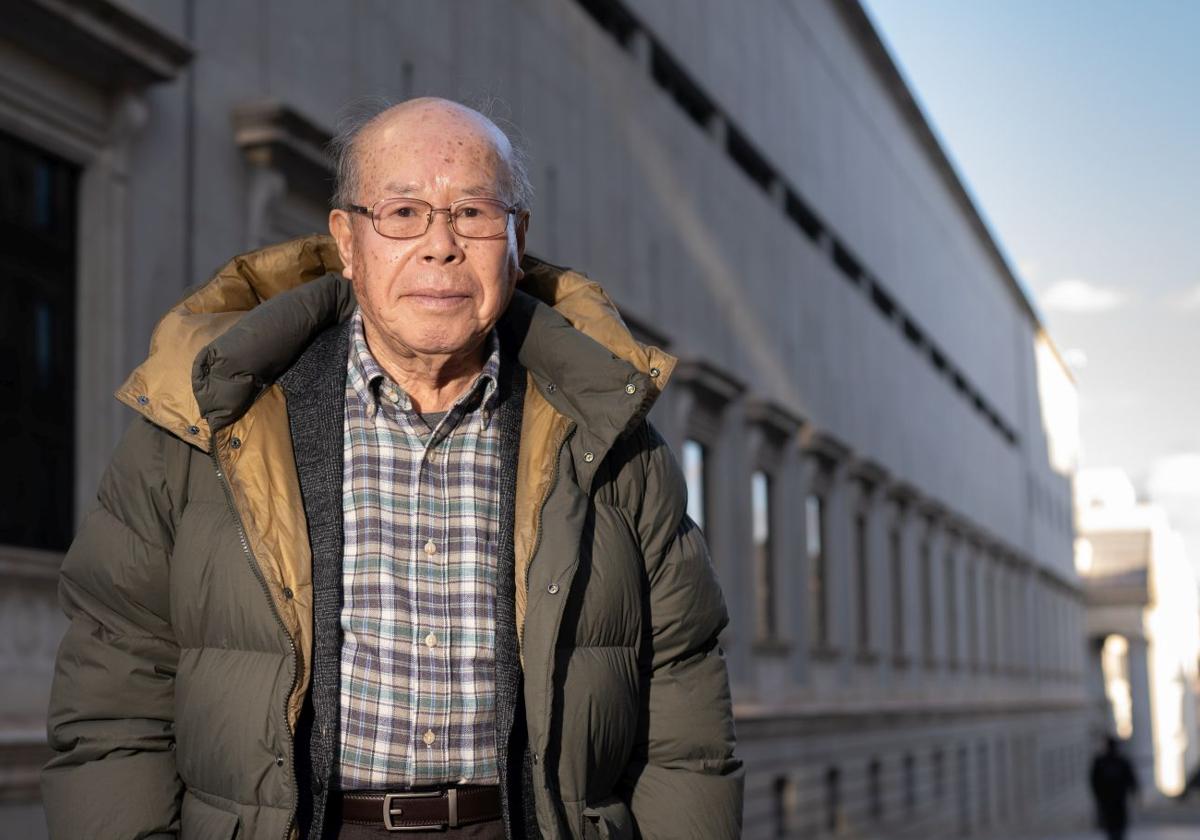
{"points": [[408, 218]]}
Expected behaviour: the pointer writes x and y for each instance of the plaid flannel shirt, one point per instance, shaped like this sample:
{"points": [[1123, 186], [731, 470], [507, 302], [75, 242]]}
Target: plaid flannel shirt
{"points": [[420, 513]]}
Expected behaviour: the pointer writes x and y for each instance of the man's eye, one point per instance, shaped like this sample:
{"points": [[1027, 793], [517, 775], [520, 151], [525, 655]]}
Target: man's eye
{"points": [[404, 212], [468, 212]]}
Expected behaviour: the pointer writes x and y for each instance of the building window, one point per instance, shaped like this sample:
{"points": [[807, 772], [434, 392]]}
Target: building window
{"points": [[862, 571], [38, 209], [991, 578], [971, 611], [910, 784], [964, 792], [938, 762], [875, 790], [896, 552], [927, 600], [1002, 780], [764, 561], [951, 584], [695, 474], [818, 578], [984, 784], [782, 802], [833, 799]]}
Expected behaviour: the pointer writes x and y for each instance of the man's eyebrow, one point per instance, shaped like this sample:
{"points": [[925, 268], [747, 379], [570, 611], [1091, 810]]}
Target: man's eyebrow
{"points": [[396, 188]]}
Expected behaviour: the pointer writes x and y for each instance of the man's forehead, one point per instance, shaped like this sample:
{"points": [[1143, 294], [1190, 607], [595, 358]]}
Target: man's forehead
{"points": [[436, 123]]}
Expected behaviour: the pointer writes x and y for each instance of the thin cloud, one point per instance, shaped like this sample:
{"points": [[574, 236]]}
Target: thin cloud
{"points": [[1191, 298], [1073, 294]]}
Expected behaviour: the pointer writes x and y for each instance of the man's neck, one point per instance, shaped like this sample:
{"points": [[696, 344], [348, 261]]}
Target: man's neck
{"points": [[432, 381]]}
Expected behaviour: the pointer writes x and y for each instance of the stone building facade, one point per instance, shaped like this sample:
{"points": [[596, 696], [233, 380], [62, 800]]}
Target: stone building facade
{"points": [[877, 432]]}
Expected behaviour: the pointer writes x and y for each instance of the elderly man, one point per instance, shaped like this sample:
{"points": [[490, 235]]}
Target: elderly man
{"points": [[398, 553]]}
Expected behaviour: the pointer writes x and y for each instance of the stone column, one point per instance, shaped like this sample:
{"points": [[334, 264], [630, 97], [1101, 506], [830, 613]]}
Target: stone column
{"points": [[1141, 742], [1100, 711]]}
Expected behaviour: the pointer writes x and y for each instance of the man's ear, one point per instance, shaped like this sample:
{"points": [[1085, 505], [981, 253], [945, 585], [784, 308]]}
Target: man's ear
{"points": [[522, 228], [343, 235]]}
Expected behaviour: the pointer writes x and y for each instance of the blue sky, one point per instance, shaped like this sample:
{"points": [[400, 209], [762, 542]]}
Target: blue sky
{"points": [[1076, 126]]}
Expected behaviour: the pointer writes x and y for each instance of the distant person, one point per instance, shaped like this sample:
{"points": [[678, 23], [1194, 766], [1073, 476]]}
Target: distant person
{"points": [[1113, 783]]}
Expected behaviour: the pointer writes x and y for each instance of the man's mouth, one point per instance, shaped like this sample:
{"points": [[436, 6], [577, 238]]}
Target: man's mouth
{"points": [[436, 299]]}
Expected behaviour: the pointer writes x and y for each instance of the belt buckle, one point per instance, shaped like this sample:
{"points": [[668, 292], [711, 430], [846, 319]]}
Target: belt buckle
{"points": [[391, 812]]}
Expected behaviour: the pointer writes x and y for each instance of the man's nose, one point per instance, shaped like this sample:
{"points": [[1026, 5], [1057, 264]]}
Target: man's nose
{"points": [[440, 244]]}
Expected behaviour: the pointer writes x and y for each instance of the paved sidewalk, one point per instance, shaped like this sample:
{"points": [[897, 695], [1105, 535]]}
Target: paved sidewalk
{"points": [[1141, 832]]}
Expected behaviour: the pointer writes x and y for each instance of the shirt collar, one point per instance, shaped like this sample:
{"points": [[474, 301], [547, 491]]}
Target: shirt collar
{"points": [[370, 381]]}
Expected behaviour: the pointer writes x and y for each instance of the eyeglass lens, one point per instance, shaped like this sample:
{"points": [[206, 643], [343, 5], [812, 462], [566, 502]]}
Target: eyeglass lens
{"points": [[475, 218]]}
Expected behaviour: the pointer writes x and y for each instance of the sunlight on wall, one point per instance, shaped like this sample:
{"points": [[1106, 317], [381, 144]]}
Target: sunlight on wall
{"points": [[1114, 659], [1060, 405]]}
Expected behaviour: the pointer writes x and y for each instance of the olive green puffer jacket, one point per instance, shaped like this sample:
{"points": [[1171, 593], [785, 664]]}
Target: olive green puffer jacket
{"points": [[189, 655]]}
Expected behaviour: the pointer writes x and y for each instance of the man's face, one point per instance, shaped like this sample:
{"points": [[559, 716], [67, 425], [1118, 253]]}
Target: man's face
{"points": [[438, 294]]}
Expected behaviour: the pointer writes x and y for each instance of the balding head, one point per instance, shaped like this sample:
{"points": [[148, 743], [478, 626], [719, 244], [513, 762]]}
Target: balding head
{"points": [[426, 116]]}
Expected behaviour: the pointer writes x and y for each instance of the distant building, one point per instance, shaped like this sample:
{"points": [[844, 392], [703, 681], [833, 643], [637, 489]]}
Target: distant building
{"points": [[1143, 628], [878, 435]]}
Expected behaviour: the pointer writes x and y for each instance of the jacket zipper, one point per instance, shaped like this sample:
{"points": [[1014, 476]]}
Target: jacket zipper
{"points": [[262, 580]]}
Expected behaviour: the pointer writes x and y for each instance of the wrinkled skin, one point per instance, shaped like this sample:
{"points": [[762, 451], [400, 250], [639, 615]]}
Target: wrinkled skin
{"points": [[429, 303]]}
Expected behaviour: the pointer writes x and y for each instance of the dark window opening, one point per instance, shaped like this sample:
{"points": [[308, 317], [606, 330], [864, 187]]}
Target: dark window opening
{"points": [[910, 784], [833, 799], [862, 556], [913, 333], [675, 81], [38, 203], [927, 605], [748, 159], [875, 790], [883, 301], [897, 558], [938, 761], [939, 360], [951, 585], [800, 213], [782, 793], [984, 784], [847, 263], [613, 18]]}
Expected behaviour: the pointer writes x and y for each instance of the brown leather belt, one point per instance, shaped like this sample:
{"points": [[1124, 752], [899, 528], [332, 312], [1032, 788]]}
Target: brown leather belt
{"points": [[422, 810]]}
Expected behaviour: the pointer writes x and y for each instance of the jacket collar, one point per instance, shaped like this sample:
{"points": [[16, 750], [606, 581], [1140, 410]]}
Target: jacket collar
{"points": [[216, 351]]}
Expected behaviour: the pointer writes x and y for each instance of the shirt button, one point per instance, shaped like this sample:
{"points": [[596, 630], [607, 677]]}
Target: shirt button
{"points": [[630, 388], [394, 396], [428, 737], [588, 457], [431, 640], [552, 589], [430, 548], [654, 372], [288, 593]]}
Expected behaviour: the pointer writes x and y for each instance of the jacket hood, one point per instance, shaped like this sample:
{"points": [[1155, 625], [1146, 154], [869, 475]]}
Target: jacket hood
{"points": [[215, 352]]}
